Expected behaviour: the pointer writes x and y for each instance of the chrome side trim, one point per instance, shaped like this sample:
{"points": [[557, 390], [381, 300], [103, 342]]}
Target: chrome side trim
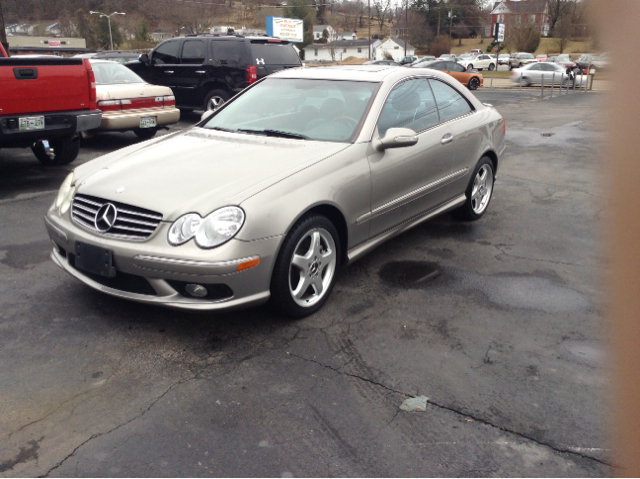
{"points": [[187, 262], [358, 251], [414, 195]]}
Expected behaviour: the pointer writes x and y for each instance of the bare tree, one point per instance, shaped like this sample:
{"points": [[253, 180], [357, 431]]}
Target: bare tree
{"points": [[562, 33], [381, 9], [558, 9]]}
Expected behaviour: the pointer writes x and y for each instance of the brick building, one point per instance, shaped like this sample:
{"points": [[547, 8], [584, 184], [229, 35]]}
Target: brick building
{"points": [[522, 12]]}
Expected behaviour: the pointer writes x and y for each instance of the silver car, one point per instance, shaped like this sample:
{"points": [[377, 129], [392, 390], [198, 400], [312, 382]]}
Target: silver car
{"points": [[270, 195], [541, 72]]}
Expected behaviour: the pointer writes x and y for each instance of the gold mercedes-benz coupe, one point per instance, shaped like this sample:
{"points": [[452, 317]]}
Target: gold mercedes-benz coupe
{"points": [[269, 196]]}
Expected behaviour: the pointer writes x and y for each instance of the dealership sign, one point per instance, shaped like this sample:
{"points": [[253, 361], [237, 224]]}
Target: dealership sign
{"points": [[284, 28]]}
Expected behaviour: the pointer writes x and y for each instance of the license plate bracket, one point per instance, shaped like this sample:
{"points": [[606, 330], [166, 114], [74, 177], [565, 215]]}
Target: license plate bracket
{"points": [[94, 259], [29, 123], [148, 122]]}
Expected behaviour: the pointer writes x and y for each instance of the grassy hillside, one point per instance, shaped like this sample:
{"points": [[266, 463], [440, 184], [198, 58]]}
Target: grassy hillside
{"points": [[546, 46]]}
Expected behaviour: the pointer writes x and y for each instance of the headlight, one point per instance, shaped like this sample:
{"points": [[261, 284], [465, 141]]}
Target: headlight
{"points": [[64, 190], [215, 229], [66, 203]]}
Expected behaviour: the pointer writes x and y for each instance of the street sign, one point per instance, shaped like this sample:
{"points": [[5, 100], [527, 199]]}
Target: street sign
{"points": [[498, 34]]}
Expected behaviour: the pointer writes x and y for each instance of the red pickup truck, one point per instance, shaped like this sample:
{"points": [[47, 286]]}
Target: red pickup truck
{"points": [[45, 102]]}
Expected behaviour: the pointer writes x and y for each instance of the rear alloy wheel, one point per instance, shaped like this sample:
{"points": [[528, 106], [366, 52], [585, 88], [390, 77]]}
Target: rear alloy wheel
{"points": [[145, 133], [491, 67], [474, 83], [305, 271], [65, 150], [524, 81], [215, 99], [478, 192]]}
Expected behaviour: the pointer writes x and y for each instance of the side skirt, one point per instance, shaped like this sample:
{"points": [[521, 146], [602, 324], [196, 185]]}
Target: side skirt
{"points": [[358, 251]]}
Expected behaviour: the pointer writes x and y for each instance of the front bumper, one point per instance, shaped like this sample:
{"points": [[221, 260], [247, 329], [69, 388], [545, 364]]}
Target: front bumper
{"points": [[154, 272], [129, 119]]}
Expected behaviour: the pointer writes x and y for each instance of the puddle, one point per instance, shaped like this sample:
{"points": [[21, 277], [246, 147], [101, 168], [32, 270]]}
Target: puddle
{"points": [[547, 135], [583, 352], [409, 273], [529, 292], [25, 256], [561, 136]]}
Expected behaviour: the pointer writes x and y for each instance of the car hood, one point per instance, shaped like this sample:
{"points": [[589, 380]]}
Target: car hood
{"points": [[197, 170]]}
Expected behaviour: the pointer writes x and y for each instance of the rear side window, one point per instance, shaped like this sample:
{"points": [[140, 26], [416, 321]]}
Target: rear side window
{"points": [[450, 103], [193, 52], [166, 53], [265, 53], [229, 53]]}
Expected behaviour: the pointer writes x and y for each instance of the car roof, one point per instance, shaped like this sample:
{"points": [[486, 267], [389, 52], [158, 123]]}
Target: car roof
{"points": [[371, 73]]}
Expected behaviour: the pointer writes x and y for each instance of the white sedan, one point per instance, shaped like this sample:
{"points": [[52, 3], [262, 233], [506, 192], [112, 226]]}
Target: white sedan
{"points": [[479, 62], [541, 72], [129, 103]]}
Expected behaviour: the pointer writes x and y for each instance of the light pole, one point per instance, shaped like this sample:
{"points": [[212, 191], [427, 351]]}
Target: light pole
{"points": [[109, 20]]}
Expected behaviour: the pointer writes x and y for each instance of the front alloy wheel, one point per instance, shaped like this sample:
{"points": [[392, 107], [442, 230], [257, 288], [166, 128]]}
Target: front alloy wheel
{"points": [[306, 267], [474, 83]]}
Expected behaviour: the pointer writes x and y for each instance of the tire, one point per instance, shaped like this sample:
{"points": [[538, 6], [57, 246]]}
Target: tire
{"points": [[510, 66], [306, 267], [491, 67], [215, 99], [478, 192], [470, 66], [145, 133], [520, 65], [474, 83], [524, 81], [65, 150]]}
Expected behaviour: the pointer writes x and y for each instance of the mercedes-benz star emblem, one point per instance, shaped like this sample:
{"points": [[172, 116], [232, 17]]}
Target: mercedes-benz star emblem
{"points": [[106, 217]]}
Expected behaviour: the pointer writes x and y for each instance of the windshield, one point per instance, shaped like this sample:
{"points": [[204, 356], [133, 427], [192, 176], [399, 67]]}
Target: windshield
{"points": [[526, 55], [324, 110], [108, 73]]}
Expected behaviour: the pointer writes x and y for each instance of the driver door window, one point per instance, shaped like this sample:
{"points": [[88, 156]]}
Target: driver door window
{"points": [[409, 105], [166, 53]]}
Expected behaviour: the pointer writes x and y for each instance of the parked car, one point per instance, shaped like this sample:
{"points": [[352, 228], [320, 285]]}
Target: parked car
{"points": [[129, 103], [120, 56], [475, 51], [447, 56], [503, 59], [425, 58], [519, 59], [472, 79], [46, 101], [382, 62], [562, 59], [541, 57], [407, 60], [204, 71], [479, 62], [294, 178], [586, 60], [534, 73]]}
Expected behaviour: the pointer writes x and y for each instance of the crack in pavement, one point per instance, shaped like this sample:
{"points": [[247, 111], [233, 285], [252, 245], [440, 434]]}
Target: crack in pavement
{"points": [[563, 450]]}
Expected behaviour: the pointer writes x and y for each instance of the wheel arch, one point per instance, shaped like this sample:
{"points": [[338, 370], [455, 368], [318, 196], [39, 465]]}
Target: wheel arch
{"points": [[210, 85], [333, 214], [494, 159]]}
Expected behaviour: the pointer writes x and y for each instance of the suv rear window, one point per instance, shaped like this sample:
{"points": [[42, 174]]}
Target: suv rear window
{"points": [[274, 53]]}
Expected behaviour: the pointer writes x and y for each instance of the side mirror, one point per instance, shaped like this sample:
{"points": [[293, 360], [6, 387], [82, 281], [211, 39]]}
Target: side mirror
{"points": [[144, 58], [207, 114], [396, 138]]}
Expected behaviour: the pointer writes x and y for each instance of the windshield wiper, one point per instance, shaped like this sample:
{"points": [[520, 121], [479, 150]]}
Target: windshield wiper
{"points": [[275, 133], [219, 128]]}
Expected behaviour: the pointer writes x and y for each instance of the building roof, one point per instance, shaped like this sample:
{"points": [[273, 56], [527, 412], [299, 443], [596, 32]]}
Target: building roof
{"points": [[342, 44], [524, 6], [321, 28], [400, 42]]}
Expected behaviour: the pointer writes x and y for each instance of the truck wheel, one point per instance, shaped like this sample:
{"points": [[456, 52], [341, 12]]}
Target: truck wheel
{"points": [[65, 151], [215, 99], [145, 133]]}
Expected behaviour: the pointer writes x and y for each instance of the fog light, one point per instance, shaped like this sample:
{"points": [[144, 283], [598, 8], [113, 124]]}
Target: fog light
{"points": [[196, 290]]}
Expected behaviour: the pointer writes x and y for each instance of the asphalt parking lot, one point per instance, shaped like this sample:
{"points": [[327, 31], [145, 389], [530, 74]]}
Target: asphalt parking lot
{"points": [[503, 335]]}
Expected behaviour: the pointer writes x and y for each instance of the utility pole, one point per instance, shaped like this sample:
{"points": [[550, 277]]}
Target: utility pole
{"points": [[369, 22], [406, 26], [438, 33], [450, 21], [3, 33]]}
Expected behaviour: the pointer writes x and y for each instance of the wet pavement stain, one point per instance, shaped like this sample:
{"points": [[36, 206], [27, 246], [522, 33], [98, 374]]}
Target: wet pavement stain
{"points": [[584, 352], [408, 274], [26, 453], [25, 256]]}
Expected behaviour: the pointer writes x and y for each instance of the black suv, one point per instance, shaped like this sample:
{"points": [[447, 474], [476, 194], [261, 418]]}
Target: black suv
{"points": [[204, 71]]}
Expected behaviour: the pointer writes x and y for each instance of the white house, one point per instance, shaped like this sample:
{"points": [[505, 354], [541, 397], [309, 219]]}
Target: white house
{"points": [[318, 30], [394, 47], [338, 50]]}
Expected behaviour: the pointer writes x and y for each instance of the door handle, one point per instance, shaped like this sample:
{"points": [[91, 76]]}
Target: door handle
{"points": [[448, 138], [168, 72], [201, 72]]}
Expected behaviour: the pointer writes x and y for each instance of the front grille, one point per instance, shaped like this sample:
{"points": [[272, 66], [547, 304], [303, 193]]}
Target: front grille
{"points": [[130, 283], [131, 222]]}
